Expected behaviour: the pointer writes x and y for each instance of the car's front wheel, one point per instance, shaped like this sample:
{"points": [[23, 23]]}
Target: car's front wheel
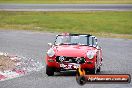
{"points": [[93, 71], [99, 69], [49, 71]]}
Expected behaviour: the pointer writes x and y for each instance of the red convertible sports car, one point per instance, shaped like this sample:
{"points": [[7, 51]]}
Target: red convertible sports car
{"points": [[72, 51]]}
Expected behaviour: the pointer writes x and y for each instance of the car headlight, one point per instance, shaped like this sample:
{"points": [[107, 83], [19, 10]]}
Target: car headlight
{"points": [[90, 54], [50, 52]]}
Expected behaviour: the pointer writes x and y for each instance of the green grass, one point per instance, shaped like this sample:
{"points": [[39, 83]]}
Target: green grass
{"points": [[98, 23], [69, 1]]}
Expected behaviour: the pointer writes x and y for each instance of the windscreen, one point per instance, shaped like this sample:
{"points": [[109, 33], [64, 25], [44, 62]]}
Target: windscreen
{"points": [[71, 40]]}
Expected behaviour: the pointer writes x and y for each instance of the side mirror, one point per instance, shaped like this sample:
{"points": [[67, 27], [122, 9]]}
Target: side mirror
{"points": [[94, 40], [96, 44], [50, 44], [98, 47]]}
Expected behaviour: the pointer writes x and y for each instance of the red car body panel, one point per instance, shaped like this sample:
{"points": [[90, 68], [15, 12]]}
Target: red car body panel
{"points": [[72, 50]]}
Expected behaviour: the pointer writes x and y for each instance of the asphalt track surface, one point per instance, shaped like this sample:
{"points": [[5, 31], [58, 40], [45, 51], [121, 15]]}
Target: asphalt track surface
{"points": [[66, 7], [117, 55]]}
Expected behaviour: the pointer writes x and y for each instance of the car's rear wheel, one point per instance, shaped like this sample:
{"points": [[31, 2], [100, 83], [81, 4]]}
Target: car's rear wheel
{"points": [[49, 71]]}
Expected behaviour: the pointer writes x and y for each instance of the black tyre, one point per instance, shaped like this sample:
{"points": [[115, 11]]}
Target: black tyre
{"points": [[93, 71], [49, 71], [99, 69], [87, 71]]}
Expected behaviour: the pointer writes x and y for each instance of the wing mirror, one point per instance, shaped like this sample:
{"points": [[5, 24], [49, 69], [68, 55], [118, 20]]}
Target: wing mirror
{"points": [[50, 44], [98, 47]]}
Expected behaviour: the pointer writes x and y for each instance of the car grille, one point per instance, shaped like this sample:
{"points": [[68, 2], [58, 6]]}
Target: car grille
{"points": [[63, 59]]}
